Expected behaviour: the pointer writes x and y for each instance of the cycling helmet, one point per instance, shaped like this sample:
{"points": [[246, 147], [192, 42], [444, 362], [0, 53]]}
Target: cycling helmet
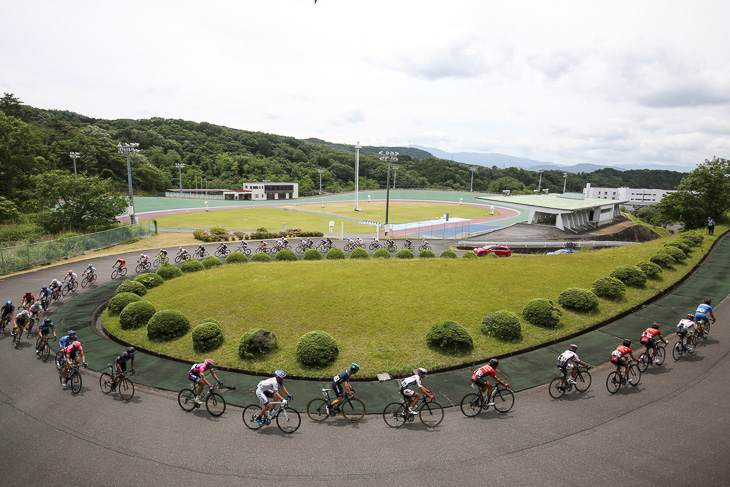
{"points": [[493, 362], [573, 347], [72, 333], [43, 288], [354, 367], [708, 301], [77, 344], [47, 320], [24, 313], [627, 342], [70, 272], [209, 362], [690, 316], [28, 293], [141, 256], [9, 303], [422, 371], [280, 374], [180, 249], [131, 350], [162, 250]]}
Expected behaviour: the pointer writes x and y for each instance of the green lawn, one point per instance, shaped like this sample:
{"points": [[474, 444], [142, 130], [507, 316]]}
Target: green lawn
{"points": [[379, 311]]}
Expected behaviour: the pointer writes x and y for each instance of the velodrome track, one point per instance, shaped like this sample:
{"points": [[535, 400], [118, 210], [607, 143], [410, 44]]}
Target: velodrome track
{"points": [[669, 430]]}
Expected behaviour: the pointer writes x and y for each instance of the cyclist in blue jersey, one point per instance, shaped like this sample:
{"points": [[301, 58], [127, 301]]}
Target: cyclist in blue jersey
{"points": [[44, 296], [703, 310], [44, 329], [67, 340], [340, 380]]}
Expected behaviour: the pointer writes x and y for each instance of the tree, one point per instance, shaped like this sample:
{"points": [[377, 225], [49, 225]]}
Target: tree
{"points": [[12, 106], [504, 183]]}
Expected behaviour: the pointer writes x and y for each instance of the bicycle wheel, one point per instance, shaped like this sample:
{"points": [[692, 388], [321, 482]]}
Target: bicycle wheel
{"points": [[634, 375], [215, 404], [693, 341], [660, 355], [45, 352], [556, 389], [471, 405], [186, 399], [115, 273], [393, 414], [353, 410], [64, 290], [504, 400], [59, 360], [706, 330], [317, 409], [29, 330], [288, 420], [84, 282], [613, 382], [76, 382], [138, 269], [177, 259], [126, 389], [643, 362], [74, 286], [156, 262], [123, 272], [677, 351], [105, 382], [431, 414], [249, 414], [583, 381]]}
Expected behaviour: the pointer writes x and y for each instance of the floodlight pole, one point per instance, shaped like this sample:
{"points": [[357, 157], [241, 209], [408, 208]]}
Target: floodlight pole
{"points": [[388, 157], [320, 171], [471, 186], [539, 186], [395, 175], [179, 166], [74, 156], [357, 174], [127, 149], [565, 183]]}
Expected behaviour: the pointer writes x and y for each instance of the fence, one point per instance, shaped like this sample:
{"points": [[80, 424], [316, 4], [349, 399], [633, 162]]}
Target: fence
{"points": [[26, 256]]}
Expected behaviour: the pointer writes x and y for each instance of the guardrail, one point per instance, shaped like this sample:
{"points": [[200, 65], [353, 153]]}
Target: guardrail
{"points": [[553, 244]]}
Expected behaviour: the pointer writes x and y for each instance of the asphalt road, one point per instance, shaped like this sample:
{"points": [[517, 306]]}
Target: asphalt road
{"points": [[671, 429]]}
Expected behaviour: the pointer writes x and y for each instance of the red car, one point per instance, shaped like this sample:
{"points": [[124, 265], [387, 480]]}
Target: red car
{"points": [[498, 250]]}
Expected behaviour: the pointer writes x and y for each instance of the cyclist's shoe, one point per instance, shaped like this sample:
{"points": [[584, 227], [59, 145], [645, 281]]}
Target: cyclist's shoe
{"points": [[490, 404], [260, 421], [328, 409], [198, 401], [37, 351], [656, 361], [571, 381], [114, 386], [412, 411]]}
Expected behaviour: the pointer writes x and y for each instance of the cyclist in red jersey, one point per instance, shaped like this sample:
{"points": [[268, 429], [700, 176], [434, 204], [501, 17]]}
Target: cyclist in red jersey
{"points": [[618, 357], [479, 377], [649, 338], [119, 264]]}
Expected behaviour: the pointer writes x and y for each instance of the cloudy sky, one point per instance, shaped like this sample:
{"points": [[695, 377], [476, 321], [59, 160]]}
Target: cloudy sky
{"points": [[605, 82]]}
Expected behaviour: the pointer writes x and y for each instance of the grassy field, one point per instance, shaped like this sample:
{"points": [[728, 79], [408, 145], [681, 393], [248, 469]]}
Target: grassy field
{"points": [[314, 217], [380, 311]]}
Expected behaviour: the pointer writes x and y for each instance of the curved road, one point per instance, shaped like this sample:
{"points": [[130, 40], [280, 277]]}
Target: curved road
{"points": [[669, 430]]}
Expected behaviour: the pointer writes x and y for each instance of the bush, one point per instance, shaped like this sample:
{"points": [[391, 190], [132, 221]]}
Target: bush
{"points": [[211, 261], [683, 246], [381, 254], [136, 315], [426, 254], [132, 287], [169, 271], [150, 280], [317, 349], [166, 325], [236, 258], [663, 260], [218, 231], [191, 265], [120, 301], [286, 255], [630, 275], [469, 255], [359, 253], [578, 299], [502, 325], [675, 252], [608, 288], [335, 254], [404, 254], [207, 336], [692, 236], [541, 312], [448, 254], [449, 337], [312, 254], [256, 342], [651, 270], [260, 257]]}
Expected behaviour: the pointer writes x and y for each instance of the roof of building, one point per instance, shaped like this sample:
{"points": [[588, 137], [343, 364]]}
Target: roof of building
{"points": [[567, 202]]}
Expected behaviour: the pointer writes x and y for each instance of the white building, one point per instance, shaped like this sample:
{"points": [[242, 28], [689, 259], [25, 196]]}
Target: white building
{"points": [[634, 198], [270, 191]]}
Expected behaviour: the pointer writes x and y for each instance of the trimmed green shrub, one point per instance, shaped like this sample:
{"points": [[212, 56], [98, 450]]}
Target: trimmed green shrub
{"points": [[651, 270], [207, 336], [167, 325], [286, 255], [168, 271], [469, 255], [236, 258], [426, 254], [675, 252], [119, 301], [683, 246], [191, 265], [136, 315], [608, 288], [335, 254], [150, 280], [541, 312], [578, 299], [693, 236], [630, 275], [129, 286], [312, 254], [664, 260], [449, 337], [211, 261], [502, 325], [260, 257], [256, 342], [448, 254], [317, 349], [404, 254], [381, 254], [359, 253]]}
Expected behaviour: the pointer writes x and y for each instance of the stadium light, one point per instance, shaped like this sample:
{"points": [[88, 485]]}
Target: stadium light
{"points": [[179, 166], [565, 183], [539, 186], [388, 157], [127, 149], [357, 174], [74, 156], [395, 175]]}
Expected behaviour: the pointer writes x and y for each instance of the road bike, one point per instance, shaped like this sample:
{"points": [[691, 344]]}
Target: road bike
{"points": [[502, 398], [56, 294], [88, 280], [615, 380], [390, 246], [647, 358], [262, 248], [43, 349], [423, 247], [159, 260], [703, 328], [4, 322], [687, 344], [17, 335], [560, 385], [143, 266], [31, 324], [73, 376], [243, 250], [396, 414], [200, 254], [301, 248], [408, 246], [374, 245], [287, 418], [352, 409], [221, 252], [119, 272], [349, 247], [123, 386], [181, 258], [45, 303], [70, 287], [214, 402]]}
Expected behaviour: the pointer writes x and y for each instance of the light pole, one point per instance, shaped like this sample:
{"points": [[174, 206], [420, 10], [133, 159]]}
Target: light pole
{"points": [[179, 166], [565, 183], [127, 149], [471, 186], [539, 186], [395, 175], [357, 174], [388, 157], [74, 156], [320, 171]]}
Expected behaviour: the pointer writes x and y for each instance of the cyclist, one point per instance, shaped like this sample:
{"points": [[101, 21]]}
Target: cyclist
{"points": [[685, 329], [360, 242], [120, 364], [703, 310], [27, 300], [567, 361], [222, 247], [143, 258], [119, 264], [329, 242], [55, 287], [197, 375], [425, 243], [35, 310], [278, 245], [649, 338], [304, 243], [269, 388], [21, 320], [410, 396], [390, 242], [376, 241], [243, 246], [44, 330], [89, 271], [162, 255], [67, 340], [285, 243], [323, 241], [200, 250], [71, 276], [481, 375], [72, 353], [408, 243], [6, 312], [44, 296], [310, 243], [618, 357], [263, 245], [342, 379]]}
